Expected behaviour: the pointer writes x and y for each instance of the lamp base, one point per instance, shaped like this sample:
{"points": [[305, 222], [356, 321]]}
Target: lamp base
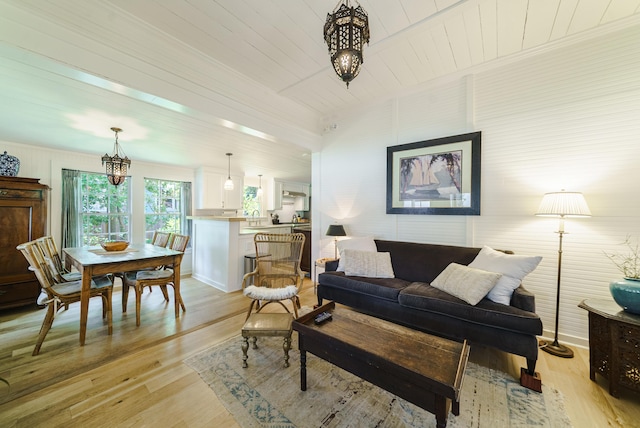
{"points": [[554, 348]]}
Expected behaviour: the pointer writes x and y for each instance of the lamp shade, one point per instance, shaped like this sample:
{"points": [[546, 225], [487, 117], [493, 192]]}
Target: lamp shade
{"points": [[564, 204], [336, 230]]}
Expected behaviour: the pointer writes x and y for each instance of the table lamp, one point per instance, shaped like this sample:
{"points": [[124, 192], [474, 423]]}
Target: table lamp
{"points": [[561, 204], [336, 230]]}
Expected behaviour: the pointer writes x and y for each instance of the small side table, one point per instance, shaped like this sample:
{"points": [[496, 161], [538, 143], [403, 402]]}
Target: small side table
{"points": [[614, 344], [267, 325], [320, 263]]}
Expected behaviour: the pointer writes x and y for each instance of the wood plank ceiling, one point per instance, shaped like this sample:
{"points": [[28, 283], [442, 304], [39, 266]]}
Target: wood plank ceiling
{"points": [[198, 78]]}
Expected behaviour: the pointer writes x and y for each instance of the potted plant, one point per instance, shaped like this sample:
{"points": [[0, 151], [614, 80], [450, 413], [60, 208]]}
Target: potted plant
{"points": [[626, 292]]}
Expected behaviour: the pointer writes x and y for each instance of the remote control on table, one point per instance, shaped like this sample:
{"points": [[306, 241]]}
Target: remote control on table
{"points": [[322, 317]]}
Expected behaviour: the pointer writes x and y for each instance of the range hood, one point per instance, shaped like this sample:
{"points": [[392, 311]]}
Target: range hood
{"points": [[293, 194]]}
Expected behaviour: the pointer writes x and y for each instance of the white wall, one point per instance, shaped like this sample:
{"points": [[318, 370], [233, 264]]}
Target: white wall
{"points": [[47, 165], [562, 119]]}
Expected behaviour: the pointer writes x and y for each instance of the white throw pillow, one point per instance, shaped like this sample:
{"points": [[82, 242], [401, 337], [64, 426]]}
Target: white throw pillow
{"points": [[466, 283], [513, 268], [367, 263], [365, 243]]}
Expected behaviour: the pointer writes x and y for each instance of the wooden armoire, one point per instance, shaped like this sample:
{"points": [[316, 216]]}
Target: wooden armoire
{"points": [[23, 218]]}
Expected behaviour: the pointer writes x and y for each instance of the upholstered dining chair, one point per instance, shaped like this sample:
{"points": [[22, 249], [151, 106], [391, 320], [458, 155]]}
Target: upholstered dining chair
{"points": [[160, 277], [61, 294], [277, 276]]}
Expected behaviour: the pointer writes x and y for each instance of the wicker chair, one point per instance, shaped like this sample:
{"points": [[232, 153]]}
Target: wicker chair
{"points": [[277, 276], [161, 277], [52, 254], [61, 294], [160, 239]]}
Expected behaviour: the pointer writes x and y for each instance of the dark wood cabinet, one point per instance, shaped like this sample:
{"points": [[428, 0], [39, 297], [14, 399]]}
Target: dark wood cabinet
{"points": [[23, 217], [305, 263]]}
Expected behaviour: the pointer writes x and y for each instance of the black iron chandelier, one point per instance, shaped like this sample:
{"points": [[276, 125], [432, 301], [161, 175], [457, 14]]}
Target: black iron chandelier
{"points": [[346, 30], [117, 163]]}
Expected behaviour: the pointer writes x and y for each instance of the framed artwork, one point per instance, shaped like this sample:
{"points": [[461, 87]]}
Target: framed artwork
{"points": [[440, 176]]}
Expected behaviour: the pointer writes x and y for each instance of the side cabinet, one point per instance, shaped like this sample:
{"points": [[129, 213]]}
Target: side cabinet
{"points": [[23, 218]]}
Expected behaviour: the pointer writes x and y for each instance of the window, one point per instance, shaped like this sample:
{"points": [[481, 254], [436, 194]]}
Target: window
{"points": [[251, 202], [105, 209], [166, 205]]}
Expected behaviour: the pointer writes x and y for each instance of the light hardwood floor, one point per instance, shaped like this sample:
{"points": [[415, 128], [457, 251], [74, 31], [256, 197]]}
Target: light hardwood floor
{"points": [[136, 376]]}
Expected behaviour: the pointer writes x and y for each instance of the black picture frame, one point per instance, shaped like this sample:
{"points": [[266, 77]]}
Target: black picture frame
{"points": [[435, 177]]}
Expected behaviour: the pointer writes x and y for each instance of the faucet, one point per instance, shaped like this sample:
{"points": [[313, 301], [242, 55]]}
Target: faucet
{"points": [[255, 221], [255, 213]]}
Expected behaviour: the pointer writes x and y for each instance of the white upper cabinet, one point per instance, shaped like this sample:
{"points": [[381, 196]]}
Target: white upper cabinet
{"points": [[209, 190]]}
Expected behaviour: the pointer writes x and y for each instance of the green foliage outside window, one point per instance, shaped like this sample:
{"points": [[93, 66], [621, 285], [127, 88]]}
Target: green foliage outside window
{"points": [[105, 209], [162, 206], [250, 201]]}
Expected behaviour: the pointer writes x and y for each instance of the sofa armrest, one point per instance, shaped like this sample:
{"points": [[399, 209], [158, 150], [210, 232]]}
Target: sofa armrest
{"points": [[523, 299], [331, 266]]}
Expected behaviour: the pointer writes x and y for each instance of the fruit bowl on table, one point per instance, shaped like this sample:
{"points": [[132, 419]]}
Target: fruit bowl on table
{"points": [[114, 245]]}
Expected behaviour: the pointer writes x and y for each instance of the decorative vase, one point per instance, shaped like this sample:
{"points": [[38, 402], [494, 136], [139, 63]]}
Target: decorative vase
{"points": [[626, 293], [9, 165]]}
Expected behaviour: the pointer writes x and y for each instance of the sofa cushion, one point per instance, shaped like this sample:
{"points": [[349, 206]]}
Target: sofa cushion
{"points": [[367, 263], [466, 283], [384, 288], [365, 243], [422, 296], [424, 262], [512, 267]]}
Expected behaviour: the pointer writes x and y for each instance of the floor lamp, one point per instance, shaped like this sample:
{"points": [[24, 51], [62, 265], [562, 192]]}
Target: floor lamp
{"points": [[335, 230], [561, 204]]}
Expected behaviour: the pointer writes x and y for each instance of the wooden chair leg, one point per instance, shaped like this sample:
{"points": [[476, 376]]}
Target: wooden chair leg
{"points": [[138, 302], [46, 325], [164, 292], [125, 296], [109, 310], [250, 309]]}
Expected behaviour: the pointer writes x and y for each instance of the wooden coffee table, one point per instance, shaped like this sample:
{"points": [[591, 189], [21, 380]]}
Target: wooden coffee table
{"points": [[423, 369]]}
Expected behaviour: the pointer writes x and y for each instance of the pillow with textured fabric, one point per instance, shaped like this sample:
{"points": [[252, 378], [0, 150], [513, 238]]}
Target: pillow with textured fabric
{"points": [[513, 268], [365, 243], [466, 283], [367, 263]]}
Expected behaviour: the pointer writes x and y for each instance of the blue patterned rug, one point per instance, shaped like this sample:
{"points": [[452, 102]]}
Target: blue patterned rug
{"points": [[268, 395]]}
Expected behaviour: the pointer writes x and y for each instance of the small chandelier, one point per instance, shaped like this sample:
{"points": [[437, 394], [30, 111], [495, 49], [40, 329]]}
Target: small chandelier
{"points": [[346, 30], [117, 164], [228, 185]]}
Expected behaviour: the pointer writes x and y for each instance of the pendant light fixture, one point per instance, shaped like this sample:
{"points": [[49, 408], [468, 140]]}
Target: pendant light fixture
{"points": [[346, 30], [117, 164], [259, 193], [228, 185]]}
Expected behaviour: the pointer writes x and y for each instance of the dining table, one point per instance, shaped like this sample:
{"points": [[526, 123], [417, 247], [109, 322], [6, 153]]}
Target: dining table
{"points": [[91, 261]]}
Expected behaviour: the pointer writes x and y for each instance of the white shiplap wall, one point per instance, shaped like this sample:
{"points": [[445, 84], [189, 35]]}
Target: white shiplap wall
{"points": [[560, 119]]}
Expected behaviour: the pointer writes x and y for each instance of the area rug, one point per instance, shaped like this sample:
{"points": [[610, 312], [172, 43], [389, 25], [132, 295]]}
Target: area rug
{"points": [[266, 394]]}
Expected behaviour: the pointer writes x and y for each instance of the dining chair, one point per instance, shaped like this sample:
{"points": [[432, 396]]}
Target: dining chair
{"points": [[61, 294], [277, 276], [159, 239], [160, 277], [52, 254]]}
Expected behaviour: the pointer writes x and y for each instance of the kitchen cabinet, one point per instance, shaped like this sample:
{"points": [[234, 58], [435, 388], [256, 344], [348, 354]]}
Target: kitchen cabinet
{"points": [[23, 218], [305, 262], [210, 193], [301, 203], [275, 203]]}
